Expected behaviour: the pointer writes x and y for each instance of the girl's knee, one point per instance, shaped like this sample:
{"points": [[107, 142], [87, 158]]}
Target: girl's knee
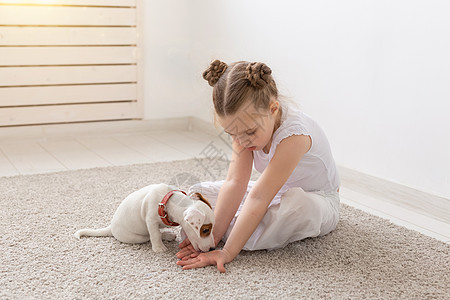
{"points": [[294, 192], [304, 204], [207, 187], [295, 198], [196, 188], [209, 190]]}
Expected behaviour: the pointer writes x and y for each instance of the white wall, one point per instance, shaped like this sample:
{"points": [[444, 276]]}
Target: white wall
{"points": [[168, 69], [375, 74]]}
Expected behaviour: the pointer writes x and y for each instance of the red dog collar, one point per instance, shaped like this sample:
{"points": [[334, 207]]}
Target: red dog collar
{"points": [[162, 208]]}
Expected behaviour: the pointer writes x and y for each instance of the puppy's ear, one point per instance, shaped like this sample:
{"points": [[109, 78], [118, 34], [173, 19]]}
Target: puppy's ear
{"points": [[200, 197], [194, 218]]}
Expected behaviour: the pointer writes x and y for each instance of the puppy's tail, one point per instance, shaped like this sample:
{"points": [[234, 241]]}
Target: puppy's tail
{"points": [[94, 232]]}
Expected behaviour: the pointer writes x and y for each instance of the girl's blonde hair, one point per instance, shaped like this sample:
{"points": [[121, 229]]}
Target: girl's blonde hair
{"points": [[238, 83]]}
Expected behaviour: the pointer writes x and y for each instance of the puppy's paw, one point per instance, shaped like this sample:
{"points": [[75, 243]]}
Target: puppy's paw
{"points": [[168, 236], [159, 248]]}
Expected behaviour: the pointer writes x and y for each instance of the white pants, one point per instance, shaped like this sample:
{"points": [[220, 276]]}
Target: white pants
{"points": [[292, 216]]}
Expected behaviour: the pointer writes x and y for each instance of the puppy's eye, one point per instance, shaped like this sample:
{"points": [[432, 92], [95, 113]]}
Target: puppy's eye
{"points": [[205, 230]]}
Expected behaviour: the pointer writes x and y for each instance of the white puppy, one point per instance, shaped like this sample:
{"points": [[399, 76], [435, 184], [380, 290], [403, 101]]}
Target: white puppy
{"points": [[140, 215]]}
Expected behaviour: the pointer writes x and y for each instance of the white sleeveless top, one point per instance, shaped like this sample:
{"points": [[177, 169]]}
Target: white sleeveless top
{"points": [[316, 171]]}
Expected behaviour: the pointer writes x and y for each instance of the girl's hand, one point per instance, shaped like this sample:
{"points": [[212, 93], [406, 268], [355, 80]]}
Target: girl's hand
{"points": [[187, 250], [216, 257]]}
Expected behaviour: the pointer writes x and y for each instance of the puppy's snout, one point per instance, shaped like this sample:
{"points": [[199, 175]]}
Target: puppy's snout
{"points": [[212, 249]]}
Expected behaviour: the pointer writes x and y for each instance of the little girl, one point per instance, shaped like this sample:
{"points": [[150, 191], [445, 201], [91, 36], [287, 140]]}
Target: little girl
{"points": [[296, 195]]}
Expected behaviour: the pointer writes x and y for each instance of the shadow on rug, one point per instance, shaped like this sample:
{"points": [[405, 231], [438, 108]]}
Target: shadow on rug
{"points": [[365, 257]]}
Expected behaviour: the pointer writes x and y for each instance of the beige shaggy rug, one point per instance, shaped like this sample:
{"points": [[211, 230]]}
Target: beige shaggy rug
{"points": [[364, 258]]}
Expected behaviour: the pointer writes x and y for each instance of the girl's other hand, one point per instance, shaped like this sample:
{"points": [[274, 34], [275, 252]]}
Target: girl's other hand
{"points": [[187, 250]]}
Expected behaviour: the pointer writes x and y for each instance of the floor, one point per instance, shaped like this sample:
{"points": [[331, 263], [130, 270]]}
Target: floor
{"points": [[22, 153]]}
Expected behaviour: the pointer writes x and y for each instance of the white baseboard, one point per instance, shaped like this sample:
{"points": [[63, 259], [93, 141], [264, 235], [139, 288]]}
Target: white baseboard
{"points": [[418, 220]]}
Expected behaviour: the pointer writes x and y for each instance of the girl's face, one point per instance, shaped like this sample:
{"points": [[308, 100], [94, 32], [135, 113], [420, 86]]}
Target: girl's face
{"points": [[252, 127]]}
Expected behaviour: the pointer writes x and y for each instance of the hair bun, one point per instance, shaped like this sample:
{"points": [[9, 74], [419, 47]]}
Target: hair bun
{"points": [[258, 74], [215, 70]]}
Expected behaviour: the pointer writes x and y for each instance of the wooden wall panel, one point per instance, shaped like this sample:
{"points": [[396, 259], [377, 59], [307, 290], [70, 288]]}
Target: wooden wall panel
{"points": [[67, 36], [39, 56], [73, 2], [69, 113], [28, 76], [69, 61], [22, 15], [45, 95]]}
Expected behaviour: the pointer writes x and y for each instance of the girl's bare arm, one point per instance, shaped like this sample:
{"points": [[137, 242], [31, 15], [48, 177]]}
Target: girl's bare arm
{"points": [[233, 189], [287, 156]]}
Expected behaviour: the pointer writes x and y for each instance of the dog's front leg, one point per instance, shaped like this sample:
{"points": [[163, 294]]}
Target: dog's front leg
{"points": [[155, 236]]}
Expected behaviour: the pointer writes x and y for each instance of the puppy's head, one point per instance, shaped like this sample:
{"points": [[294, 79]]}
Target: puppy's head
{"points": [[198, 223]]}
